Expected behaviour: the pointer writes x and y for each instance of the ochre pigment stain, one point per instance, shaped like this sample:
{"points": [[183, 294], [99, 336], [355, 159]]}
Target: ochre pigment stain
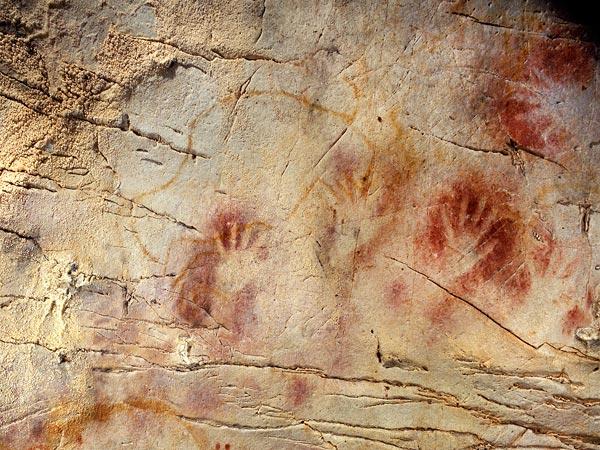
{"points": [[534, 76], [224, 447], [473, 227], [573, 319], [441, 314], [345, 193], [356, 205], [545, 252], [372, 190], [480, 244], [523, 117], [560, 62], [70, 422], [397, 295], [202, 301], [299, 392]]}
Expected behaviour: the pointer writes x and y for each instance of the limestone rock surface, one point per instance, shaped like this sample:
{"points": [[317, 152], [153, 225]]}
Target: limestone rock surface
{"points": [[321, 224]]}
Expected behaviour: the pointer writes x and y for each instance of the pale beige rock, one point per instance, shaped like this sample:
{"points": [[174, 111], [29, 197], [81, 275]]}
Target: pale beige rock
{"points": [[280, 225]]}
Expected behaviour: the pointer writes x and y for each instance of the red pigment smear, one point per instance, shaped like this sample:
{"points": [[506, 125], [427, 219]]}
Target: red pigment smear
{"points": [[228, 227], [298, 392], [200, 301], [347, 179], [519, 284], [350, 181], [574, 318], [203, 399], [544, 252], [394, 188], [533, 71], [243, 314], [530, 124], [475, 217], [397, 295], [442, 313], [561, 62], [589, 299], [218, 446]]}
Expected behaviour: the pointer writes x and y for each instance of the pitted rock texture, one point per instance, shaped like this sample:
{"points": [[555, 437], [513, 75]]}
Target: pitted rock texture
{"points": [[298, 225]]}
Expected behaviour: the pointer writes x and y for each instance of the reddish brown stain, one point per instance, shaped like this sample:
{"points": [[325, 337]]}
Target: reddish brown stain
{"points": [[570, 268], [38, 431], [358, 190], [519, 284], [71, 420], [545, 250], [346, 198], [365, 254], [69, 429], [202, 299], [475, 227], [356, 203], [39, 436], [395, 178], [203, 399], [226, 447], [35, 437], [573, 319], [397, 295], [197, 285], [348, 180], [528, 124], [589, 299], [441, 314], [346, 184], [533, 77], [298, 392], [561, 61], [243, 313], [232, 229]]}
